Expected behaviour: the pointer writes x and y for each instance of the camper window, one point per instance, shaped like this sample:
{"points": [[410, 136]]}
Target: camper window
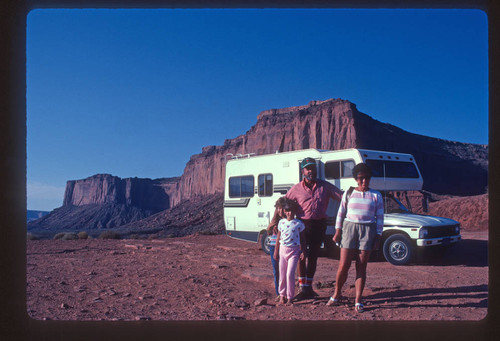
{"points": [[392, 169], [332, 170], [241, 186], [347, 167], [338, 169], [265, 185]]}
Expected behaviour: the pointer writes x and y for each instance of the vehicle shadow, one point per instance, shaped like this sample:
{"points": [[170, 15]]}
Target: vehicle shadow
{"points": [[467, 252], [403, 298]]}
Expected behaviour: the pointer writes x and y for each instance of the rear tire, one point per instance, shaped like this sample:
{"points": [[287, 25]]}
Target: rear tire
{"points": [[265, 239], [398, 249]]}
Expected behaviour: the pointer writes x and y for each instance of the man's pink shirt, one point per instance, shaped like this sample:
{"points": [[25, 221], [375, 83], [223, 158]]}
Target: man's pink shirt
{"points": [[314, 202]]}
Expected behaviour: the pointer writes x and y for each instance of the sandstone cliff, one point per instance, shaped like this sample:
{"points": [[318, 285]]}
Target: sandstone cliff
{"points": [[147, 194], [105, 201], [447, 167]]}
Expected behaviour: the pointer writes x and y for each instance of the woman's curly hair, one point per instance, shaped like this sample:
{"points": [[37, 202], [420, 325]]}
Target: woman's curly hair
{"points": [[361, 168]]}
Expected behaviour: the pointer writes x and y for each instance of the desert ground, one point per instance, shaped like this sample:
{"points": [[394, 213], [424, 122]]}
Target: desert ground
{"points": [[215, 277]]}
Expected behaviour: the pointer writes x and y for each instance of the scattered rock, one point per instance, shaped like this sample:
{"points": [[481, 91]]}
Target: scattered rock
{"points": [[260, 302], [136, 247], [241, 304], [218, 266], [142, 318], [323, 285]]}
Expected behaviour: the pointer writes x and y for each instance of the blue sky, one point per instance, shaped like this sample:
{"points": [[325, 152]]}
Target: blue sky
{"points": [[137, 92]]}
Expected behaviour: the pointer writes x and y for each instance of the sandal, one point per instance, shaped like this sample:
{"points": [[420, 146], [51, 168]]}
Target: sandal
{"points": [[359, 307], [333, 301]]}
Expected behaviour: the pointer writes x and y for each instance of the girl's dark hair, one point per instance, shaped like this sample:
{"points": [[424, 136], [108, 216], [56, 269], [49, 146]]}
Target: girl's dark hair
{"points": [[280, 202], [361, 168], [290, 205]]}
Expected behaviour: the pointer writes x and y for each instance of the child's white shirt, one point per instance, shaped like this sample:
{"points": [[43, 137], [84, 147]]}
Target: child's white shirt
{"points": [[290, 231]]}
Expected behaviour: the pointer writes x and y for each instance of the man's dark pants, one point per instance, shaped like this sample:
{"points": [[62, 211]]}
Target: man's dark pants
{"points": [[314, 236]]}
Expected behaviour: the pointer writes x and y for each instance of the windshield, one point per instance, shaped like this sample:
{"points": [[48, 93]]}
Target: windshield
{"points": [[393, 205]]}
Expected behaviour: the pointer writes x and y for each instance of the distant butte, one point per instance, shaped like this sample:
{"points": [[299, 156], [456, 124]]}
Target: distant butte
{"points": [[448, 167]]}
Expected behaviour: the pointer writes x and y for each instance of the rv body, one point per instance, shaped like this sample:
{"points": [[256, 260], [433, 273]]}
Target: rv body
{"points": [[254, 183]]}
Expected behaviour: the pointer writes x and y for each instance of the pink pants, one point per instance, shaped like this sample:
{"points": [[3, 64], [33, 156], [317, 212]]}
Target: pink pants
{"points": [[289, 257]]}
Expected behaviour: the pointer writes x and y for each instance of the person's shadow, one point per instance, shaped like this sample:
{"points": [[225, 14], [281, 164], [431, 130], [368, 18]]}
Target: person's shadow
{"points": [[406, 297]]}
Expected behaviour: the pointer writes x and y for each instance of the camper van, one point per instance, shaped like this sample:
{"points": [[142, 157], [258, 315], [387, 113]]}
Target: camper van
{"points": [[254, 183]]}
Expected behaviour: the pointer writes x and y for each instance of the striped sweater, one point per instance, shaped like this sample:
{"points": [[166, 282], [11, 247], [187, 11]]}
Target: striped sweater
{"points": [[363, 207]]}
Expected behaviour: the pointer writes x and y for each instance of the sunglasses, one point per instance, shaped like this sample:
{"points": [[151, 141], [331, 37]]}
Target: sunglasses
{"points": [[361, 178]]}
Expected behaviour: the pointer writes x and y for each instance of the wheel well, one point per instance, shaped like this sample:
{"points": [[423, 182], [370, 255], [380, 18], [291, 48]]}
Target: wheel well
{"points": [[261, 233], [387, 234]]}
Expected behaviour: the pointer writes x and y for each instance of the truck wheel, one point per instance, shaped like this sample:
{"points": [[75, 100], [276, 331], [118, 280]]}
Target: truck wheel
{"points": [[398, 249], [264, 242]]}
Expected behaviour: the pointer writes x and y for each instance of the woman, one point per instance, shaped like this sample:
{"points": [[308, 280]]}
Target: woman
{"points": [[359, 225]]}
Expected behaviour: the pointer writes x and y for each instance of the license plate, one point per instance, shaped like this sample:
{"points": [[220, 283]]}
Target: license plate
{"points": [[446, 241]]}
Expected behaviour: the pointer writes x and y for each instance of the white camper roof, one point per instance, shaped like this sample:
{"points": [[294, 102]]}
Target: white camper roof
{"points": [[392, 171]]}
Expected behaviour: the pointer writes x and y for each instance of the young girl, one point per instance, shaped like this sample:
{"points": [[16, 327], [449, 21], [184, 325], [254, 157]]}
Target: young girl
{"points": [[272, 231], [290, 247]]}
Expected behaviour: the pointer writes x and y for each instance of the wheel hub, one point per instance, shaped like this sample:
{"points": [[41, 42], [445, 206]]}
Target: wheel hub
{"points": [[398, 250]]}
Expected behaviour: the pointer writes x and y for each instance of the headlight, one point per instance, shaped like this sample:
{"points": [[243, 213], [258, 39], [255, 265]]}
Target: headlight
{"points": [[422, 234]]}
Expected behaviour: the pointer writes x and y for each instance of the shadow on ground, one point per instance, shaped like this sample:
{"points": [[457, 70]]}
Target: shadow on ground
{"points": [[403, 298], [468, 252]]}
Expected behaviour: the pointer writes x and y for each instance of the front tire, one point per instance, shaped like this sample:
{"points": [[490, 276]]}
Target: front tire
{"points": [[398, 249]]}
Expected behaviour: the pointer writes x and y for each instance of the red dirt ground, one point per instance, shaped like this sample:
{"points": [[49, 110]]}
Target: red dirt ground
{"points": [[203, 277]]}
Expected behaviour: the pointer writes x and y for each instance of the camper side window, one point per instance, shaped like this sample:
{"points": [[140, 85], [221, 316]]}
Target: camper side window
{"points": [[241, 186], [339, 169], [347, 167], [332, 170], [265, 185], [392, 169]]}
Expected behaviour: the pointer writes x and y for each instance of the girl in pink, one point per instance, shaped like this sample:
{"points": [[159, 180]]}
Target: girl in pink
{"points": [[290, 247]]}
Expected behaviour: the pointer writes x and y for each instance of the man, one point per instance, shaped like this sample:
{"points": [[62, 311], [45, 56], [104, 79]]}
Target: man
{"points": [[312, 195]]}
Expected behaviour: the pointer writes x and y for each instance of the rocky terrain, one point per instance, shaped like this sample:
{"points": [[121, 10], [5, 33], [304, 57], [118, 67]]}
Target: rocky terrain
{"points": [[214, 277], [471, 212], [34, 215], [104, 201]]}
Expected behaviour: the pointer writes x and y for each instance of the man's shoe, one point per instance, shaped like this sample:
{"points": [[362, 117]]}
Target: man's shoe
{"points": [[305, 293], [301, 295]]}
